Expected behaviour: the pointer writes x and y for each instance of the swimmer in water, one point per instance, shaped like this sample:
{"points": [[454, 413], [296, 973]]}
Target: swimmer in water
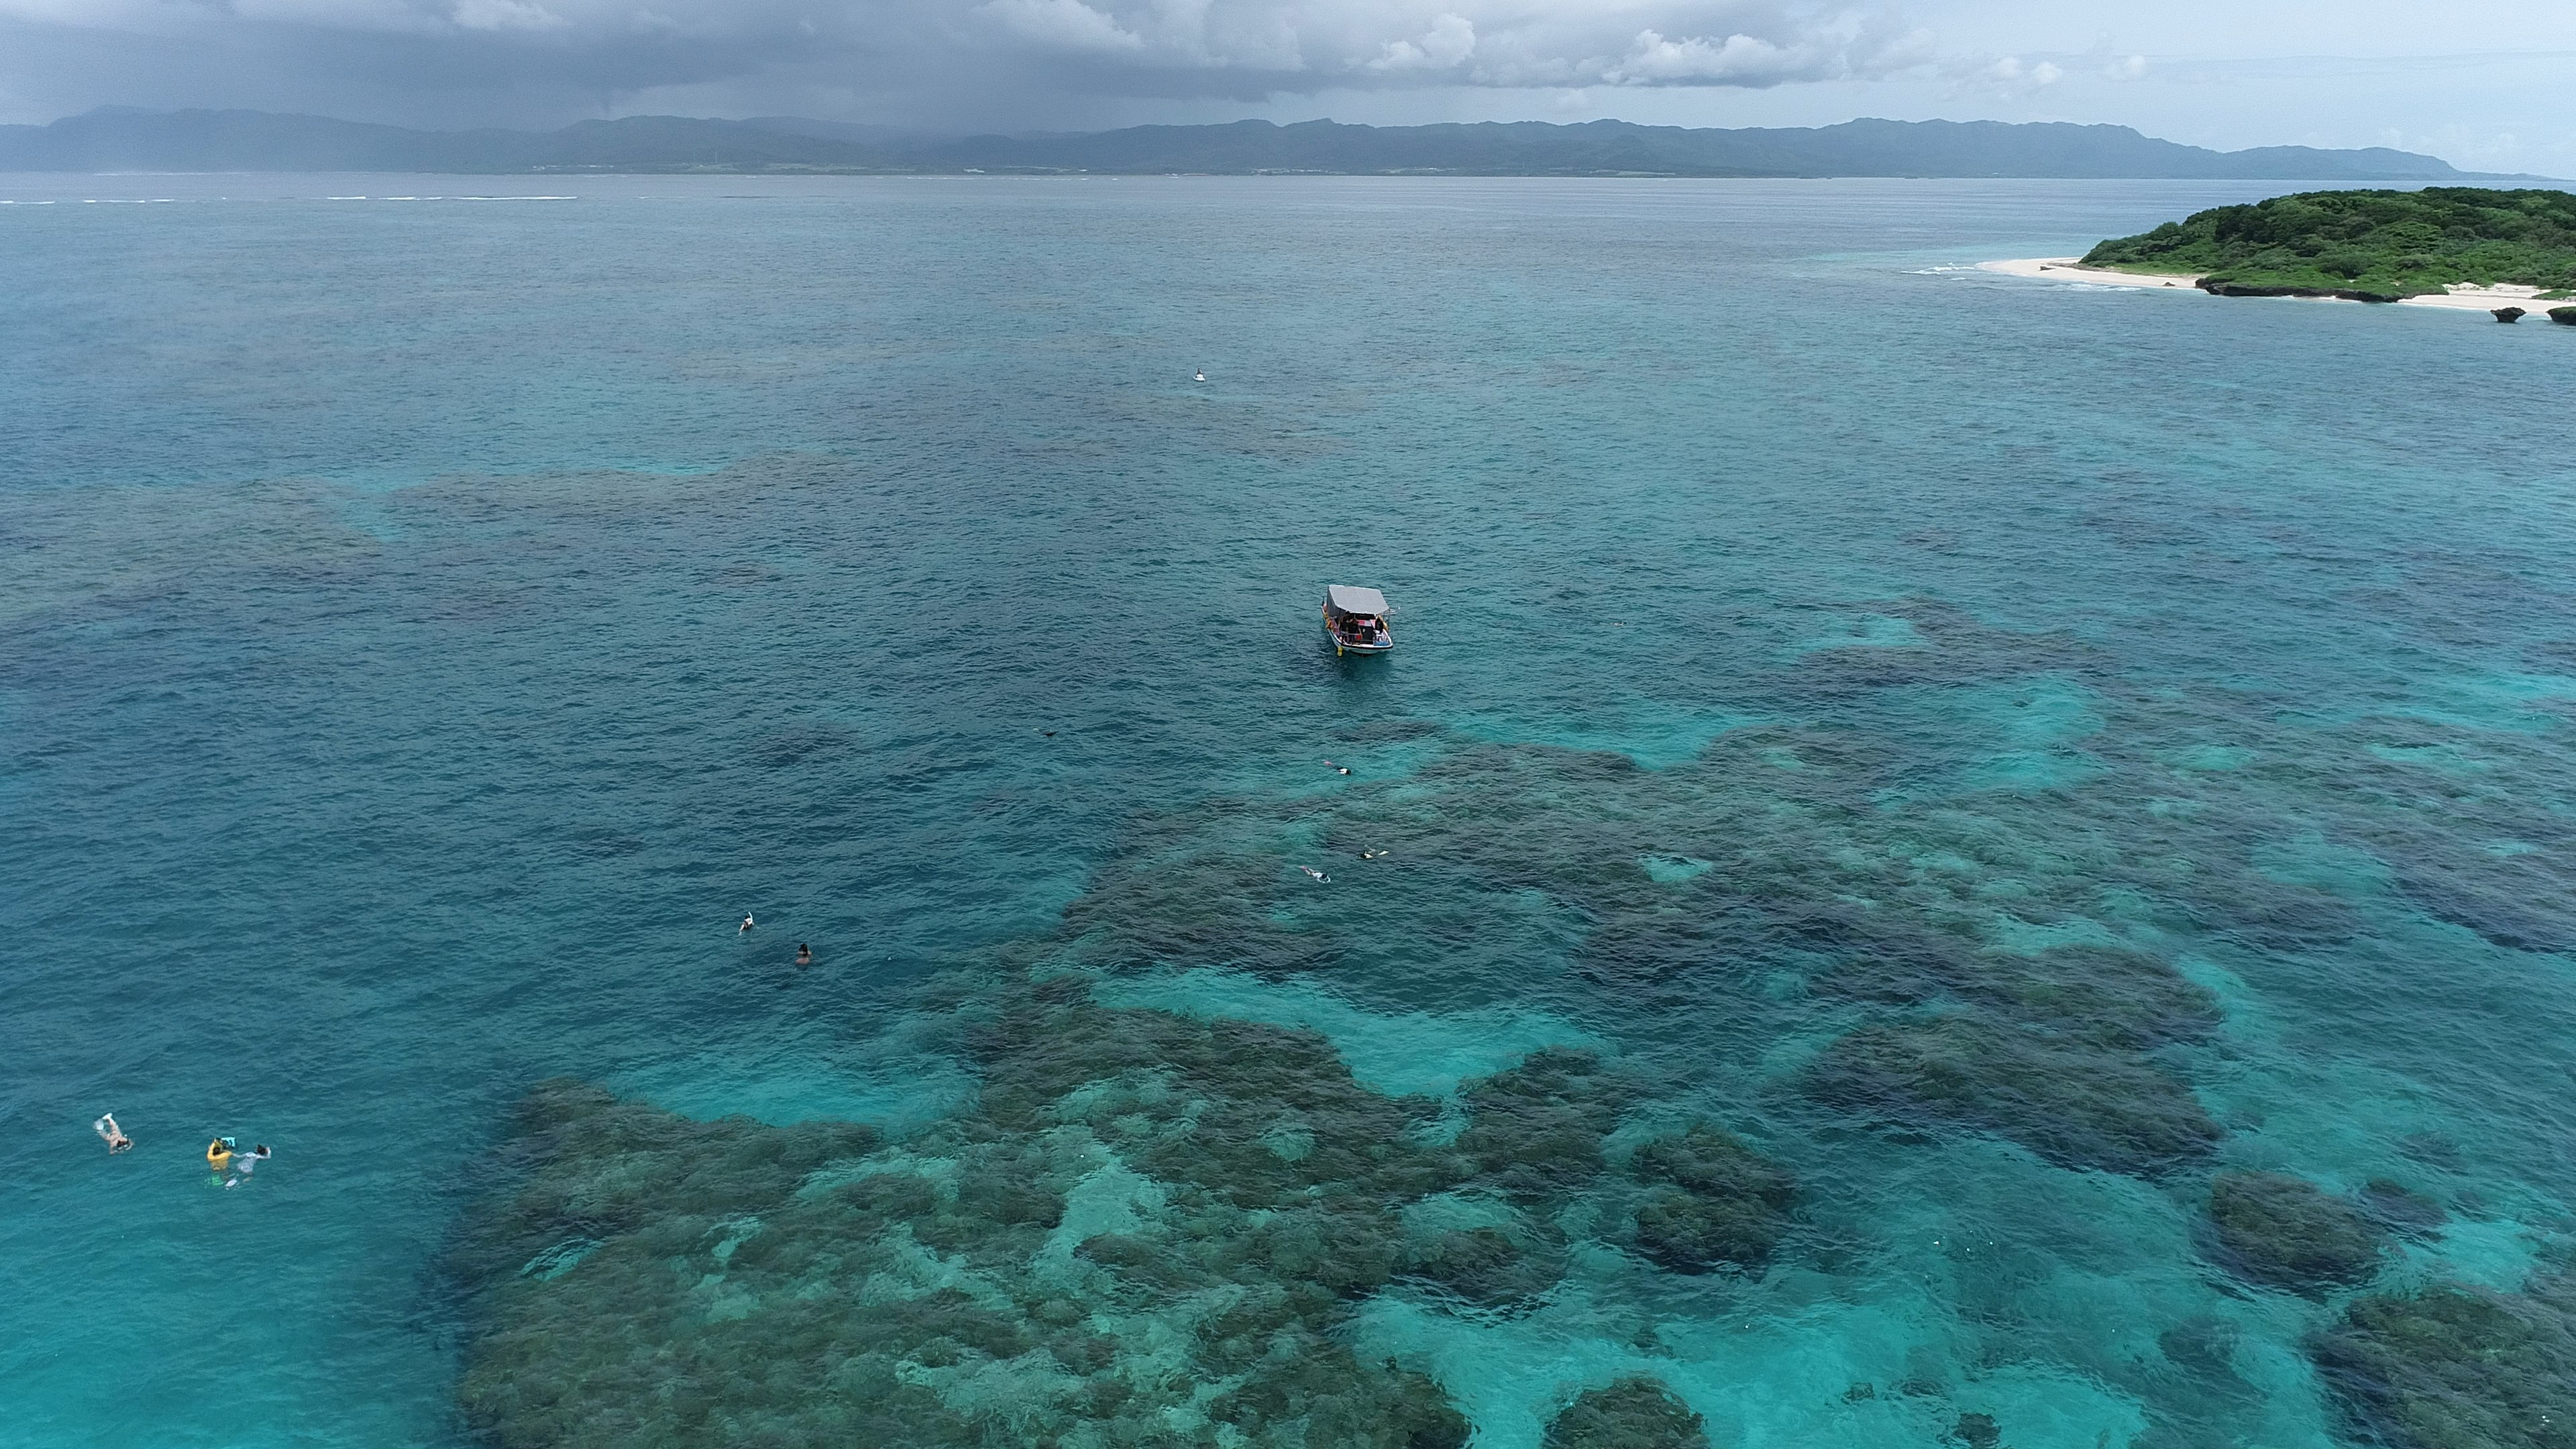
{"points": [[1344, 769], [245, 1164], [112, 1134], [1317, 874], [804, 954], [1199, 377], [746, 923], [219, 1155]]}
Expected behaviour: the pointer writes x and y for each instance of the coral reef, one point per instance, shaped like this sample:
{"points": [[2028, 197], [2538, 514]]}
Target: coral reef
{"points": [[1537, 1128], [1154, 1228], [2074, 1105], [1633, 1413], [1150, 1223], [1149, 1230], [2455, 1367], [2289, 1233], [1715, 1201]]}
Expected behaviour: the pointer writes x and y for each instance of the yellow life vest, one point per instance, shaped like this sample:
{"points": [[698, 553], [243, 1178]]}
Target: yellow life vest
{"points": [[218, 1156]]}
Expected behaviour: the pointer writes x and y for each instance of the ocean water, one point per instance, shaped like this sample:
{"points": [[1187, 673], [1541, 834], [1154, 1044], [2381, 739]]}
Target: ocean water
{"points": [[429, 624]]}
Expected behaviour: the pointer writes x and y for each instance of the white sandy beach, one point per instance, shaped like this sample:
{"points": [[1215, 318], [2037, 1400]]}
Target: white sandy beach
{"points": [[2464, 299]]}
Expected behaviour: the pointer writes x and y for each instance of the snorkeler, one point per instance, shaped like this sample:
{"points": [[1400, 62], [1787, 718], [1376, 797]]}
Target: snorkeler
{"points": [[1317, 874], [219, 1155], [804, 954], [746, 923], [245, 1164], [112, 1134]]}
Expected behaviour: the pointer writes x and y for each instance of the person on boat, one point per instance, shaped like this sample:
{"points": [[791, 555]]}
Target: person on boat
{"points": [[112, 1134], [219, 1155]]}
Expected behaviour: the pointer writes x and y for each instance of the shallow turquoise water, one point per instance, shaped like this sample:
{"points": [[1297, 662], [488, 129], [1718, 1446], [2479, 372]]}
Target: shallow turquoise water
{"points": [[430, 625]]}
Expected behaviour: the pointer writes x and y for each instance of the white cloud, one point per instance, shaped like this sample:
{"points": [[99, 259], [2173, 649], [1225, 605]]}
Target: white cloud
{"points": [[505, 15], [1451, 39], [2008, 73], [2127, 68], [1737, 59]]}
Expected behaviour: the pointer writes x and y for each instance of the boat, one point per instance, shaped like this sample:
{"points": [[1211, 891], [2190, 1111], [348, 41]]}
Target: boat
{"points": [[1355, 620]]}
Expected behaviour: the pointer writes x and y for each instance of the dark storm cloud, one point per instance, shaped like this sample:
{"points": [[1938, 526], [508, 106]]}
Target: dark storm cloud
{"points": [[479, 57]]}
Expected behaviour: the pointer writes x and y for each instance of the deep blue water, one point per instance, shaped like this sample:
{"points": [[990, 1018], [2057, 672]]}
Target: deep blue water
{"points": [[428, 626]]}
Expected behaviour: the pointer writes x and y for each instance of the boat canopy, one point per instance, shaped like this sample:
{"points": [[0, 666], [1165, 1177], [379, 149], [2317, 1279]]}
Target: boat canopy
{"points": [[1346, 599]]}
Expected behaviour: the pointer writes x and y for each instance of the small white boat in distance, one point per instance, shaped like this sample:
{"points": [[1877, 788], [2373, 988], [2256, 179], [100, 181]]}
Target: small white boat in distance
{"points": [[1355, 620]]}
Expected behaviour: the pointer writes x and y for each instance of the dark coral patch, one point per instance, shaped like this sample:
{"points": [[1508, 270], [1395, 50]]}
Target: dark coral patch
{"points": [[2456, 1367], [2068, 1101], [2401, 1209], [1633, 1413], [1537, 1128], [1714, 1202], [2288, 1233], [1491, 1267]]}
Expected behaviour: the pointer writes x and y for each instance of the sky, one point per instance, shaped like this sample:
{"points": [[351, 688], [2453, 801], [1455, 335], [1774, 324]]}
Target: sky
{"points": [[2481, 83]]}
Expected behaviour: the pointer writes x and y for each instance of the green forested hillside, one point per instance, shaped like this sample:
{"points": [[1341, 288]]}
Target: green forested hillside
{"points": [[2372, 245]]}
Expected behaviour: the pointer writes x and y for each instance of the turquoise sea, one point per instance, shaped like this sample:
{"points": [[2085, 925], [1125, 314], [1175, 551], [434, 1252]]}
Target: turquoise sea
{"points": [[1917, 805]]}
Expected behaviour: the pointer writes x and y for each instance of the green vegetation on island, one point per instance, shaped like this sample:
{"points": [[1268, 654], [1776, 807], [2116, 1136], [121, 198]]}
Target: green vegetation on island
{"points": [[2369, 246]]}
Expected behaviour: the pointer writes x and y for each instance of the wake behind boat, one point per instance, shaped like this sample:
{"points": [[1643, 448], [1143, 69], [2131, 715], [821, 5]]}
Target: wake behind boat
{"points": [[1355, 620]]}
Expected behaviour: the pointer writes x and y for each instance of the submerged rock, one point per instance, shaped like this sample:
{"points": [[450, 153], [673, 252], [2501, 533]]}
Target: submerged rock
{"points": [[1633, 1413], [2287, 1232], [2455, 1367]]}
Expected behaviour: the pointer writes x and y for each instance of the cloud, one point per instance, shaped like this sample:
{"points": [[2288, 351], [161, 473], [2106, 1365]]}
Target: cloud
{"points": [[1451, 39], [2008, 73], [998, 51], [1739, 59], [505, 15], [1064, 25]]}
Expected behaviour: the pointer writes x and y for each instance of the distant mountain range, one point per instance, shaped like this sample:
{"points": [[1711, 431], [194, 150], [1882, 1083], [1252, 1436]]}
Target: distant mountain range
{"points": [[121, 139]]}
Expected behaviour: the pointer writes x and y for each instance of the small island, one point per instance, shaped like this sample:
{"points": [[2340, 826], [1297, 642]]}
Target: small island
{"points": [[2365, 246]]}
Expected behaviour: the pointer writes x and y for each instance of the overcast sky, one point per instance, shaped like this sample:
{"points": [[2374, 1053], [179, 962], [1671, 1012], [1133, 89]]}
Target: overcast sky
{"points": [[2483, 83]]}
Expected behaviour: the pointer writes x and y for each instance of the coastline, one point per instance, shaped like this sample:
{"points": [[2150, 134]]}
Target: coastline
{"points": [[2463, 299]]}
